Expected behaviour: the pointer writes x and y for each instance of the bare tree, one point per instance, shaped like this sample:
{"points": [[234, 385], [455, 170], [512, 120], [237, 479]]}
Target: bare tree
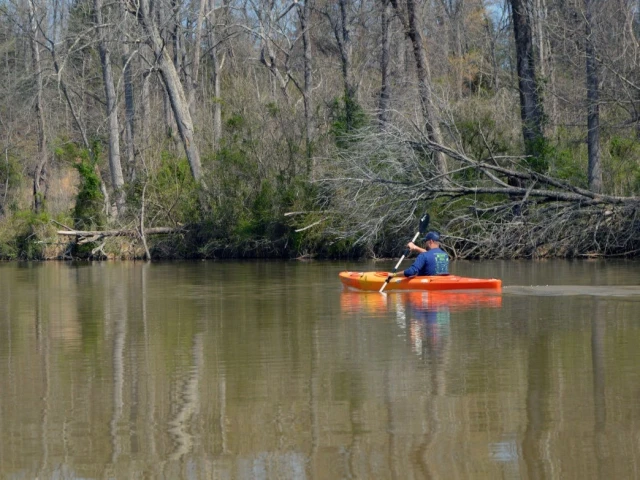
{"points": [[530, 105], [50, 43], [129, 101], [144, 140], [304, 16], [417, 77], [216, 66], [383, 183], [541, 27], [454, 10], [179, 105], [492, 28], [39, 175], [266, 30], [193, 71], [413, 32], [339, 18], [385, 88], [593, 123], [174, 23], [115, 166]]}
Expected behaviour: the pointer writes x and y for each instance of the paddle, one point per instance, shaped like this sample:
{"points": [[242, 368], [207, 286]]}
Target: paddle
{"points": [[424, 223]]}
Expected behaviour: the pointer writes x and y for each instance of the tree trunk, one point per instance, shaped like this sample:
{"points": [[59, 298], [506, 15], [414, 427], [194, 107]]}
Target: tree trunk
{"points": [[413, 33], [385, 89], [39, 175], [347, 74], [215, 66], [169, 123], [5, 187], [115, 167], [79, 125], [304, 13], [176, 38], [458, 50], [145, 102], [194, 70], [267, 55], [550, 102], [173, 85], [593, 115], [342, 35], [530, 106], [488, 23], [130, 112], [539, 26], [454, 12]]}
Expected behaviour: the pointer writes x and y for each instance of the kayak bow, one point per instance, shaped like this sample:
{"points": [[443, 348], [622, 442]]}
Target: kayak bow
{"points": [[372, 281]]}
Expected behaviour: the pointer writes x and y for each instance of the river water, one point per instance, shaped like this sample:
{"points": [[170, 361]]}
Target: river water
{"points": [[261, 370]]}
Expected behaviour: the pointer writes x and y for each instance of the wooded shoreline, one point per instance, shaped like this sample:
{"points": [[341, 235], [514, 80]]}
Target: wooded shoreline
{"points": [[314, 128]]}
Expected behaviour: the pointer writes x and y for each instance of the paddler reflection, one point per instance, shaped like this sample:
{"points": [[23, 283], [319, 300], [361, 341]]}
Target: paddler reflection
{"points": [[425, 315], [428, 323], [428, 318]]}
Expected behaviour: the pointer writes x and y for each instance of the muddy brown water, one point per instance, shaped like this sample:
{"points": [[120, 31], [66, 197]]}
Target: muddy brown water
{"points": [[261, 370]]}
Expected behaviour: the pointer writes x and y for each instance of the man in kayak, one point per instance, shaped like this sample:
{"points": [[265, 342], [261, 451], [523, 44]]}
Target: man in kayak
{"points": [[431, 260]]}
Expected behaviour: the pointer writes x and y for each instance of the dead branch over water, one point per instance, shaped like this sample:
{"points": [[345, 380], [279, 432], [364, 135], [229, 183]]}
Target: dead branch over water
{"points": [[494, 207], [118, 233]]}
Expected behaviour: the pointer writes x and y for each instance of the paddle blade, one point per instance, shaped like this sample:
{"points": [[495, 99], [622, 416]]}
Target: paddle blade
{"points": [[424, 224]]}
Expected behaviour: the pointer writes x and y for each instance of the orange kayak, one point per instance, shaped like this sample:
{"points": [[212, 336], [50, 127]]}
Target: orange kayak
{"points": [[372, 281]]}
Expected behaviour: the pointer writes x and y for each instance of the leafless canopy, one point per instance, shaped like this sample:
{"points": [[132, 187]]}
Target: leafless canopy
{"points": [[381, 184]]}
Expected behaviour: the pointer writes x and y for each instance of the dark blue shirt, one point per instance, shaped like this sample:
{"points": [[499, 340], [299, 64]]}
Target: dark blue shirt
{"points": [[431, 262]]}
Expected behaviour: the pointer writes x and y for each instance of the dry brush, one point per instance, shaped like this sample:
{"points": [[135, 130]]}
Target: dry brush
{"points": [[377, 187]]}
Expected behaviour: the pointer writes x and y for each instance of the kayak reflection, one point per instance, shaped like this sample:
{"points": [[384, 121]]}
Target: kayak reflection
{"points": [[351, 301], [425, 315]]}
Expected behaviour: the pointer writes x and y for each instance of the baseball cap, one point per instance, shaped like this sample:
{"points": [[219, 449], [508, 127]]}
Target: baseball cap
{"points": [[435, 236]]}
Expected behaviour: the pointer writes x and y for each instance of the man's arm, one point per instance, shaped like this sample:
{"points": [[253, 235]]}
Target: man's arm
{"points": [[414, 269], [415, 248]]}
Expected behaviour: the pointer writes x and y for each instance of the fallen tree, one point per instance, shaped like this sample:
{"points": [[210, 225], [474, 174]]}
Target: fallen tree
{"points": [[375, 189], [93, 236], [85, 236]]}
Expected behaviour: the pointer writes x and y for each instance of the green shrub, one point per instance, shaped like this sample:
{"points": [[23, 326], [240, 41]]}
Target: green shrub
{"points": [[10, 174], [624, 166], [89, 211], [23, 236], [347, 116], [482, 137], [568, 162]]}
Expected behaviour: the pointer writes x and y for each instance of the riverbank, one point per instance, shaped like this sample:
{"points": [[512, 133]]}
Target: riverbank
{"points": [[47, 241]]}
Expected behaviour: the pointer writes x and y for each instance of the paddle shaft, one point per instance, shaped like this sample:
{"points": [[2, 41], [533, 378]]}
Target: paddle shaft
{"points": [[404, 254], [424, 223]]}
